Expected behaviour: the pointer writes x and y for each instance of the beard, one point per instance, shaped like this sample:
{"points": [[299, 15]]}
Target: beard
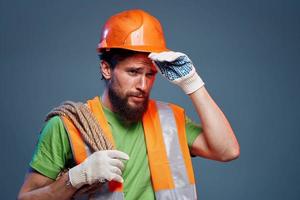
{"points": [[121, 106]]}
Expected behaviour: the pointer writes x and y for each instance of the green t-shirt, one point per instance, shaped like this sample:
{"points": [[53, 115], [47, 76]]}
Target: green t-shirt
{"points": [[53, 152]]}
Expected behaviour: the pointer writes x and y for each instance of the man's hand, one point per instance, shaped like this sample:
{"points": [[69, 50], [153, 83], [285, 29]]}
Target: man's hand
{"points": [[178, 69], [100, 166]]}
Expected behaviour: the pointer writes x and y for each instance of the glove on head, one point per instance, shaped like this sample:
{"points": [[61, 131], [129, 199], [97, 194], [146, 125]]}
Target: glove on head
{"points": [[179, 69]]}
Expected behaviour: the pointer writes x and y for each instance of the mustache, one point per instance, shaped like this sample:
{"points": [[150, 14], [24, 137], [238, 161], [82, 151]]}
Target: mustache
{"points": [[137, 94]]}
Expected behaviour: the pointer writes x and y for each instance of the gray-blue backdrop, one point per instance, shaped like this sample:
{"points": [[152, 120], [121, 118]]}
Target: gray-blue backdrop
{"points": [[247, 52]]}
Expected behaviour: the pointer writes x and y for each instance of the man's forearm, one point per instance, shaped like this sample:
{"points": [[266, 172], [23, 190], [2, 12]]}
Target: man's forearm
{"points": [[218, 134], [59, 189]]}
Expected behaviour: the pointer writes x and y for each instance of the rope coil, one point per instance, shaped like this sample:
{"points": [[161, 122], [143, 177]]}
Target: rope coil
{"points": [[85, 121]]}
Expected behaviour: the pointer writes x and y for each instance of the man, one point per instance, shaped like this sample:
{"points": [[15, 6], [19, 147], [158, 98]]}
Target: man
{"points": [[152, 140]]}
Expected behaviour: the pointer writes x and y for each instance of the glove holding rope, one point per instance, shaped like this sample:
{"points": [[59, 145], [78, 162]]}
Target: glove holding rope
{"points": [[98, 167], [179, 69]]}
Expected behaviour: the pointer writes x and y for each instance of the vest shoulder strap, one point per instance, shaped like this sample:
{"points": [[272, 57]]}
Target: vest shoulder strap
{"points": [[95, 106], [78, 147]]}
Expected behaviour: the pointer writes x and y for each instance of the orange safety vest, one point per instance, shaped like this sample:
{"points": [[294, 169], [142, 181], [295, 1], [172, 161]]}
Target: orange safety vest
{"points": [[170, 163]]}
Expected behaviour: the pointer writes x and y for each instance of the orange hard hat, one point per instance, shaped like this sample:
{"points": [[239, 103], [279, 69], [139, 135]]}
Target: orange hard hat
{"points": [[134, 30]]}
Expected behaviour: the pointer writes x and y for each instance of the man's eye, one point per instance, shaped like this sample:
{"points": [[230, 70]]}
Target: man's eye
{"points": [[133, 72]]}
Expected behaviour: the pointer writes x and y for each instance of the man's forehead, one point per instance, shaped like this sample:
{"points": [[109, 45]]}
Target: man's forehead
{"points": [[138, 60]]}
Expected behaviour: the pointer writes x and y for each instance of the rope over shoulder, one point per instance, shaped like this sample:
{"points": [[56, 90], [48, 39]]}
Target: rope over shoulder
{"points": [[85, 122]]}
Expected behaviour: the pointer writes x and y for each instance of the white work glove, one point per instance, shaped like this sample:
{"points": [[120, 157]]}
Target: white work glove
{"points": [[98, 167], [177, 68]]}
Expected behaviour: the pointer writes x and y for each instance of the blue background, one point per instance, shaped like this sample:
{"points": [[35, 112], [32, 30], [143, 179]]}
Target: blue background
{"points": [[247, 52]]}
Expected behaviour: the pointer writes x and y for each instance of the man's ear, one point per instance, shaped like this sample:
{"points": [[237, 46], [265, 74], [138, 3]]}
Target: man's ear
{"points": [[105, 69]]}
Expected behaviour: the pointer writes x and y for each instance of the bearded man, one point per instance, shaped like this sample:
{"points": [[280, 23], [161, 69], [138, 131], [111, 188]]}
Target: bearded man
{"points": [[124, 145]]}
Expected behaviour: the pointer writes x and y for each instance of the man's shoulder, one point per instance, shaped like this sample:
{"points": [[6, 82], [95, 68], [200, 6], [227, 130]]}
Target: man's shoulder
{"points": [[53, 122], [53, 128]]}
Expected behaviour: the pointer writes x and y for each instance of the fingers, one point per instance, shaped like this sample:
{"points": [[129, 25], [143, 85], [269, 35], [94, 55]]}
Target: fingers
{"points": [[166, 56], [117, 163], [114, 174], [156, 66], [117, 154], [116, 170], [117, 178]]}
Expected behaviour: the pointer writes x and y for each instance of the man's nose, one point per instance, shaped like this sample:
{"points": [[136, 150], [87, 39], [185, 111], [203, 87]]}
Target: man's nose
{"points": [[142, 83]]}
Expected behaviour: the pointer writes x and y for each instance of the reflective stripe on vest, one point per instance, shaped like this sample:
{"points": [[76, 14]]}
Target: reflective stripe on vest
{"points": [[168, 154]]}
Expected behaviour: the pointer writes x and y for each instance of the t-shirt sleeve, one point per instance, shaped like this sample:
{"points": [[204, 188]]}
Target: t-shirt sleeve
{"points": [[192, 130], [53, 152]]}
